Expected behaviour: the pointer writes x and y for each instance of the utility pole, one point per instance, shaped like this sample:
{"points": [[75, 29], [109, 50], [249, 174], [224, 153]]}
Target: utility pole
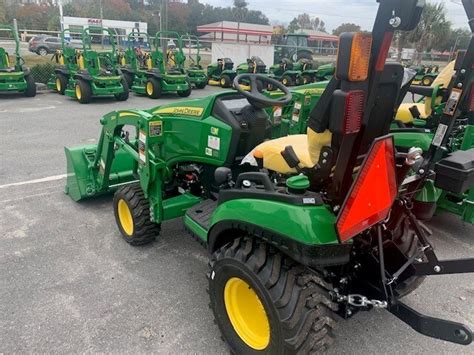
{"points": [[61, 15], [101, 23]]}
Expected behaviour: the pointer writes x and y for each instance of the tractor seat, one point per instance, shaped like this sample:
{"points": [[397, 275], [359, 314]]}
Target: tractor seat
{"points": [[443, 79], [306, 146], [5, 62]]}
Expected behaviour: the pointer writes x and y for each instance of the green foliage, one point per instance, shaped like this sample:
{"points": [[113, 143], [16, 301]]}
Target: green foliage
{"points": [[3, 12], [305, 22], [346, 27], [42, 72]]}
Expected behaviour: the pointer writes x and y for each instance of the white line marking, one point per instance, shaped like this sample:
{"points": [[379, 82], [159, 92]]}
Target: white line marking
{"points": [[35, 181]]}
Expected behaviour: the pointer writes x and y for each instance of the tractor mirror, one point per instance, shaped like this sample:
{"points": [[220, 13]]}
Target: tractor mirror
{"points": [[353, 56]]}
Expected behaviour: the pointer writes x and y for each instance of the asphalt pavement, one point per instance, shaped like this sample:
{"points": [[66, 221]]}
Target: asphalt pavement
{"points": [[68, 283]]}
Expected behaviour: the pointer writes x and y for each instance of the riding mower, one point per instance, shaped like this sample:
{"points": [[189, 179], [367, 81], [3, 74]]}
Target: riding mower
{"points": [[284, 72], [15, 76], [89, 73], [325, 72], [136, 56], [66, 60], [221, 73], [315, 232], [307, 71], [425, 74], [164, 72], [196, 74]]}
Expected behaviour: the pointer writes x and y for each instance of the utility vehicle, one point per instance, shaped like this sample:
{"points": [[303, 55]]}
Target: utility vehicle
{"points": [[425, 74], [196, 74], [304, 229], [15, 76], [89, 73], [221, 73], [164, 72]]}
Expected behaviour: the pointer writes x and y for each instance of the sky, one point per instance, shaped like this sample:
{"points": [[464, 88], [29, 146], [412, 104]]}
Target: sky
{"points": [[334, 12]]}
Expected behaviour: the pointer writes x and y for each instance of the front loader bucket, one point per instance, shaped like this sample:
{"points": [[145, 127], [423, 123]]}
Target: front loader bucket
{"points": [[84, 180]]}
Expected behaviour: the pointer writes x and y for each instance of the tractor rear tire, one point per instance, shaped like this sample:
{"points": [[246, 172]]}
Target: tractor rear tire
{"points": [[61, 83], [287, 80], [250, 281], [123, 96], [153, 88], [132, 214], [427, 81], [30, 86], [225, 81], [83, 91], [129, 79]]}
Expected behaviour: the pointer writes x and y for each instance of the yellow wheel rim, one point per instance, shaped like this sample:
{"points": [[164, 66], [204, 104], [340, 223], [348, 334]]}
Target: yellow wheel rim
{"points": [[305, 80], [149, 88], [125, 217], [223, 81], [58, 85], [426, 82], [78, 92], [246, 313], [284, 82]]}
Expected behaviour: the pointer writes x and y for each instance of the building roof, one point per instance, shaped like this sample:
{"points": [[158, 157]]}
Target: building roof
{"points": [[233, 27], [320, 36]]}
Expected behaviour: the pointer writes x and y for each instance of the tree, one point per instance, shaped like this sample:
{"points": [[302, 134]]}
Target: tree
{"points": [[318, 25], [346, 27], [3, 12], [305, 22], [240, 10], [432, 30], [293, 26]]}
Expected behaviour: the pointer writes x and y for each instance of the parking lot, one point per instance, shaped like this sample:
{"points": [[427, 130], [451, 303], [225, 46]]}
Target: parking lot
{"points": [[68, 283]]}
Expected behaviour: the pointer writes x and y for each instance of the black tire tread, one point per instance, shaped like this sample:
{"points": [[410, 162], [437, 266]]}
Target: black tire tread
{"points": [[145, 231], [30, 86], [305, 310]]}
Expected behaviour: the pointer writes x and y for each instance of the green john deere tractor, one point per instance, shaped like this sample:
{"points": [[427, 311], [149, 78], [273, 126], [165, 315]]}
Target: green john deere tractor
{"points": [[67, 60], [325, 72], [164, 72], [90, 73], [221, 73], [425, 74], [284, 72], [301, 228], [196, 74], [293, 46], [136, 56], [14, 76]]}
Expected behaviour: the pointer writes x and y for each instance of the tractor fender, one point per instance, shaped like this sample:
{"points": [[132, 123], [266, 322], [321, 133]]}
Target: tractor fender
{"points": [[154, 75], [63, 71], [226, 231], [83, 76]]}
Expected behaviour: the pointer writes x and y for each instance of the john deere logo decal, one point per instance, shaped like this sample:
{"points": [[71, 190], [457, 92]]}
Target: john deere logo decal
{"points": [[183, 110]]}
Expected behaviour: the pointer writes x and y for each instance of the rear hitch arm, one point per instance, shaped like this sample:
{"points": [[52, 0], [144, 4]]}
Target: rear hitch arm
{"points": [[433, 327]]}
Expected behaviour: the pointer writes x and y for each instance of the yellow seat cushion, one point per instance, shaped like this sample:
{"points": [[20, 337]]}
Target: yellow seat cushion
{"points": [[443, 79], [306, 146], [404, 114]]}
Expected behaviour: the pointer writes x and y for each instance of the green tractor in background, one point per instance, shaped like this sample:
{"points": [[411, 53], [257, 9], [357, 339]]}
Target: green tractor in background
{"points": [[301, 228], [67, 61], [425, 74], [136, 56], [164, 71], [196, 74], [284, 72], [15, 76], [221, 73], [89, 73], [293, 46], [325, 72]]}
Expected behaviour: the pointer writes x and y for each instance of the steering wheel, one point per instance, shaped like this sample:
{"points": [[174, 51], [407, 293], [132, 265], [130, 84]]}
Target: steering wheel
{"points": [[255, 97]]}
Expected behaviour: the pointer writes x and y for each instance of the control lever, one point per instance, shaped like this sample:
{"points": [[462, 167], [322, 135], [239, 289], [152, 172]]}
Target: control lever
{"points": [[223, 177], [291, 158]]}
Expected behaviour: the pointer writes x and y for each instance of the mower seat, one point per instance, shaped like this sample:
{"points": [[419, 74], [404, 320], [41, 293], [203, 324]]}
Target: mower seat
{"points": [[5, 62], [404, 115], [306, 146]]}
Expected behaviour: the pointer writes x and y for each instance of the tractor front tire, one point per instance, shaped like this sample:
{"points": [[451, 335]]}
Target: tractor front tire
{"points": [[265, 302], [153, 88], [61, 83], [427, 81], [201, 85], [225, 81], [129, 78], [123, 96], [287, 80], [306, 79], [185, 93], [30, 86], [83, 91], [132, 214]]}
